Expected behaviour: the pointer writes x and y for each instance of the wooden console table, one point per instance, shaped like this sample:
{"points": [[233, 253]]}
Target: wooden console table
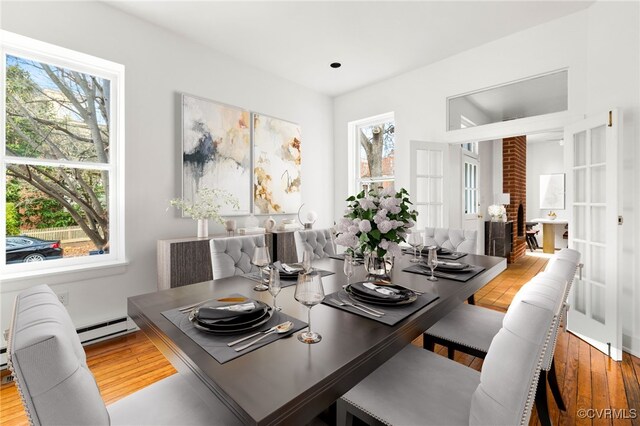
{"points": [[184, 261]]}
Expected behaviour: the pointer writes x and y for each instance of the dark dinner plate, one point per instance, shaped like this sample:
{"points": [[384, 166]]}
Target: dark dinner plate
{"points": [[366, 295], [233, 325]]}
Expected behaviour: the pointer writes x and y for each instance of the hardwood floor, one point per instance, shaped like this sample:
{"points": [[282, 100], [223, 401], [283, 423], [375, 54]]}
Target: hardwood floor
{"points": [[587, 378]]}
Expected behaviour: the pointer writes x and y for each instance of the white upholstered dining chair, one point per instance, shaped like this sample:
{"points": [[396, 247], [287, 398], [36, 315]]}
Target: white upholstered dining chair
{"points": [[320, 241], [419, 387], [57, 387], [232, 256], [458, 240], [470, 329]]}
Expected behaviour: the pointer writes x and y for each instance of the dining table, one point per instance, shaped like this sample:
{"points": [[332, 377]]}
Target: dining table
{"points": [[287, 381]]}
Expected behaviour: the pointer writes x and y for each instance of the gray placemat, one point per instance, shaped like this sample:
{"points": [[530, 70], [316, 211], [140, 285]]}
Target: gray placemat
{"points": [[216, 345], [285, 280], [454, 276], [392, 314]]}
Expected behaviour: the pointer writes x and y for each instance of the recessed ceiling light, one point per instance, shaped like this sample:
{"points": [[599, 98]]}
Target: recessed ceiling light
{"points": [[335, 65]]}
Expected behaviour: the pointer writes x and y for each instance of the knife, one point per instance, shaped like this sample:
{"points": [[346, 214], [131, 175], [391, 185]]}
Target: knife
{"points": [[380, 289]]}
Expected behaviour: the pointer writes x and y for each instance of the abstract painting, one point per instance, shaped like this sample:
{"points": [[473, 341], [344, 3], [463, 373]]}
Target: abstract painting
{"points": [[216, 151], [276, 165]]}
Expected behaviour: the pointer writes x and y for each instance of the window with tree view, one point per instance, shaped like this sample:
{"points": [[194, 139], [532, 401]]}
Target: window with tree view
{"points": [[58, 161], [376, 153]]}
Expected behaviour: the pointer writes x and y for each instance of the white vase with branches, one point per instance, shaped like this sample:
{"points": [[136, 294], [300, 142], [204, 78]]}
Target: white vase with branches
{"points": [[206, 205]]}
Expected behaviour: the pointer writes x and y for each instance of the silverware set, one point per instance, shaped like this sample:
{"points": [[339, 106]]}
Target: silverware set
{"points": [[364, 308]]}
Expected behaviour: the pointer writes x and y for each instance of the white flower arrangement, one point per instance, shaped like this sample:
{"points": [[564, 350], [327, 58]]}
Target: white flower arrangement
{"points": [[376, 222], [497, 212], [207, 204]]}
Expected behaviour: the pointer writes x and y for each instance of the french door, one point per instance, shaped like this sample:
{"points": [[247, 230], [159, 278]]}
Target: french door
{"points": [[591, 163], [429, 177], [472, 216]]}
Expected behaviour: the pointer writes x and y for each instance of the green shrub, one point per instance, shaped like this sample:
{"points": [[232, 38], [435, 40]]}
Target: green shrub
{"points": [[13, 221]]}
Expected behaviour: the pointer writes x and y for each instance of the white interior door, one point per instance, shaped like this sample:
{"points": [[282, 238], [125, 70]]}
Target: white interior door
{"points": [[428, 182], [471, 215], [591, 163]]}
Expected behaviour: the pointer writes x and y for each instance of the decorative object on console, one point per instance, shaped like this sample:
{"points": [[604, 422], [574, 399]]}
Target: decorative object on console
{"points": [[276, 168], [216, 150], [230, 225], [207, 205], [375, 223], [269, 224], [552, 215], [497, 213], [310, 218], [251, 231]]}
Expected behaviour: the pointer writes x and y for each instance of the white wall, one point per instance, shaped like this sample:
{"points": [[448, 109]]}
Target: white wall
{"points": [[544, 158], [599, 46], [158, 65]]}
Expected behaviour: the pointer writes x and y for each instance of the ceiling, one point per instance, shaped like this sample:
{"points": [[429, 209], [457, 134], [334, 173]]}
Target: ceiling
{"points": [[374, 40]]}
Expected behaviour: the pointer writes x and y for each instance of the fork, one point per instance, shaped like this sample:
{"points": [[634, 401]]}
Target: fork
{"points": [[362, 308]]}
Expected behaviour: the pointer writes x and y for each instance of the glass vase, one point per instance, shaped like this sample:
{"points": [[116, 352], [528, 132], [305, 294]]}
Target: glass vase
{"points": [[376, 266]]}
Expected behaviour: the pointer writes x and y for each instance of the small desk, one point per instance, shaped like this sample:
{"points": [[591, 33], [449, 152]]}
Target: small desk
{"points": [[549, 233]]}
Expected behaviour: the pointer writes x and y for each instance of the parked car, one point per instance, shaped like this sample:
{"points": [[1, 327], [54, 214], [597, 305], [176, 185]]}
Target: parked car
{"points": [[30, 249]]}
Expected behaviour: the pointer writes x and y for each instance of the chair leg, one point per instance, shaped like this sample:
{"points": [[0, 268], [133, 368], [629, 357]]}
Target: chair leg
{"points": [[428, 343], [529, 243], [451, 352], [541, 400], [555, 389], [472, 299], [343, 416]]}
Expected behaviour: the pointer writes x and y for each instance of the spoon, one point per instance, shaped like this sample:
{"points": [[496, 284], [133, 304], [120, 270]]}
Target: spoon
{"points": [[278, 329]]}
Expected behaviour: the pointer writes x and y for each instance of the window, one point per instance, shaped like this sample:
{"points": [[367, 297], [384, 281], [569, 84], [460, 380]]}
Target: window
{"points": [[372, 153], [62, 157], [471, 199]]}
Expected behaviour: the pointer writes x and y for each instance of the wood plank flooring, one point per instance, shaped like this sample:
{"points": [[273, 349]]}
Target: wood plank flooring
{"points": [[587, 378]]}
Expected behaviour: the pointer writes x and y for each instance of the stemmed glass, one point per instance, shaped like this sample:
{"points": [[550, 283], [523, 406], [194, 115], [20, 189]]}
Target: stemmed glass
{"points": [[261, 259], [420, 246], [274, 286], [348, 267], [415, 239], [432, 262], [307, 257], [309, 292]]}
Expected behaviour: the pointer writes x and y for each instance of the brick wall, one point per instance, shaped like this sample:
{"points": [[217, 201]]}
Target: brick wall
{"points": [[514, 182]]}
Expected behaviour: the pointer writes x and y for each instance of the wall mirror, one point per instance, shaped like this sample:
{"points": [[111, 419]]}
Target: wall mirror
{"points": [[537, 95], [552, 191]]}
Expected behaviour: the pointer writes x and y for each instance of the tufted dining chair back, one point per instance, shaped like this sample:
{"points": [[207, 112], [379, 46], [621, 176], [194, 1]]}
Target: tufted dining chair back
{"points": [[319, 240], [50, 364], [57, 387], [232, 256], [458, 240], [510, 372]]}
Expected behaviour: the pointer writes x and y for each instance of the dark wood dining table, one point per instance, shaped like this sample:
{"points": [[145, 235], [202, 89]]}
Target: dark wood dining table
{"points": [[288, 382]]}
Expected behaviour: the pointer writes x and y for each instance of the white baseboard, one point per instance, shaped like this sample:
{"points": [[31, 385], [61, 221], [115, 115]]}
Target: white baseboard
{"points": [[93, 334], [631, 344]]}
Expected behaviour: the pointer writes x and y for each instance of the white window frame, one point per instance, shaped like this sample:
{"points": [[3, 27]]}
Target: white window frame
{"points": [[355, 183], [28, 48]]}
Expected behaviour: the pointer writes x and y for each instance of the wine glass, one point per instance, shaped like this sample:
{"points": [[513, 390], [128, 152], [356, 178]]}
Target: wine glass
{"points": [[307, 257], [415, 239], [420, 246], [432, 262], [309, 292], [261, 259], [348, 267], [274, 286]]}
